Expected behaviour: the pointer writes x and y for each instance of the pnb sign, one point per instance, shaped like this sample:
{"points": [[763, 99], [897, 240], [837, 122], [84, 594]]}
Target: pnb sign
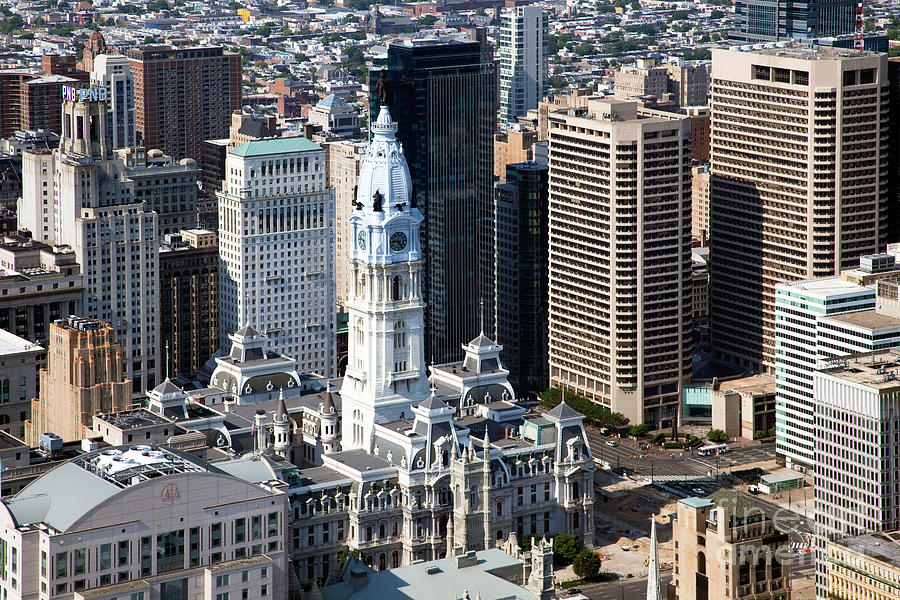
{"points": [[91, 94]]}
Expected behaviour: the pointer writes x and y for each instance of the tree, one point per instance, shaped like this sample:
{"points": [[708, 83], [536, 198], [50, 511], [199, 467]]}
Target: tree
{"points": [[565, 548], [347, 554], [679, 15], [480, 11], [593, 412], [149, 39], [427, 20], [285, 30], [584, 48], [158, 5], [10, 24], [586, 564], [264, 31], [638, 430], [716, 436], [716, 14]]}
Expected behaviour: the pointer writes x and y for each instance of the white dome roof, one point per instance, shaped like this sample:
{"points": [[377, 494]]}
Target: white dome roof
{"points": [[384, 169]]}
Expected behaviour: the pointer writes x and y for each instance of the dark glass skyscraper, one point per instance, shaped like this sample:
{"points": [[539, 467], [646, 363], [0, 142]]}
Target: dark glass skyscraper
{"points": [[522, 242], [441, 93], [773, 20]]}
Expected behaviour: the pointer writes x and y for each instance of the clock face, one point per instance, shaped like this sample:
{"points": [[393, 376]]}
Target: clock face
{"points": [[398, 241], [361, 240]]}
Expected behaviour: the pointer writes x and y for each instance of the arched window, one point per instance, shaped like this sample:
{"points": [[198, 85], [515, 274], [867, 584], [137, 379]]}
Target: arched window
{"points": [[381, 562], [397, 288], [499, 534], [575, 494], [701, 563], [395, 559], [360, 334]]}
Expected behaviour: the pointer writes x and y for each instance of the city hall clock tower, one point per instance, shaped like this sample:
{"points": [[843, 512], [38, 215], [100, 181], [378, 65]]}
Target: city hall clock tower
{"points": [[386, 374]]}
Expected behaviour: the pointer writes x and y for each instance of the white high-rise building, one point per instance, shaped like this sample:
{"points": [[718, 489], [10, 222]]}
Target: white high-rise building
{"points": [[805, 337], [276, 250], [114, 73], [523, 60], [386, 374], [857, 477], [80, 195]]}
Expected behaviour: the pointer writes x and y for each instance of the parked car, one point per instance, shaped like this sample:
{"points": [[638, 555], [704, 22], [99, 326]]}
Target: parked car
{"points": [[612, 443]]}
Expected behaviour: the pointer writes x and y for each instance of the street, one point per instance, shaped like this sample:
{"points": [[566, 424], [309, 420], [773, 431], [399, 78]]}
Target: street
{"points": [[627, 456], [626, 589]]}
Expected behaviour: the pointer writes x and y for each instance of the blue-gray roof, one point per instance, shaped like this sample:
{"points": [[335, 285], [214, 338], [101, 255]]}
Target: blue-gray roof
{"points": [[438, 579], [331, 100], [288, 145], [45, 501]]}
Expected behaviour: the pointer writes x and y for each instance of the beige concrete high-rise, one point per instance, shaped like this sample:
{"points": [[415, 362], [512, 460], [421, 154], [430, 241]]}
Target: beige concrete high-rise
{"points": [[344, 160], [798, 184], [84, 375], [726, 547], [620, 256]]}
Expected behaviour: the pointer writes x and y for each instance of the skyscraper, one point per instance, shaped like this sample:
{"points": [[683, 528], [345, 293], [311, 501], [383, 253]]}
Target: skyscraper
{"points": [[276, 250], [522, 51], [798, 185], [114, 73], [188, 302], [771, 20], [80, 195], [184, 96], [345, 159], [85, 374], [441, 93], [522, 242], [620, 257]]}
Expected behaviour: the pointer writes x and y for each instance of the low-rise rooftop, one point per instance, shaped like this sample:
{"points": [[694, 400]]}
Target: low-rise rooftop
{"points": [[883, 546], [867, 319]]}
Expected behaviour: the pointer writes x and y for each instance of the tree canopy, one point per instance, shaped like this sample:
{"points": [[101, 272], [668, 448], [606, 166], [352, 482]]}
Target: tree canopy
{"points": [[586, 564], [593, 412]]}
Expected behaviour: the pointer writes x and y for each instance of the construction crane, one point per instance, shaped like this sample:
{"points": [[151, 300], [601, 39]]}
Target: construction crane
{"points": [[859, 41]]}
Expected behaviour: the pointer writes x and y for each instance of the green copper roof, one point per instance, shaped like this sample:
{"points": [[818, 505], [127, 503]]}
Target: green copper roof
{"points": [[288, 145], [697, 502]]}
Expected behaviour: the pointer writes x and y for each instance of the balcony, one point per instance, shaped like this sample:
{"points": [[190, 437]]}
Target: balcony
{"points": [[402, 375]]}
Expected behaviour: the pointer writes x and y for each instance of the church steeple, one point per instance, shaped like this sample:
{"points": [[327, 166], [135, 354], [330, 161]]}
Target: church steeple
{"points": [[386, 373]]}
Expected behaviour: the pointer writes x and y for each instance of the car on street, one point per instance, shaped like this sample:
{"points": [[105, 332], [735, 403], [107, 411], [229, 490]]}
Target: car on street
{"points": [[612, 443], [573, 591]]}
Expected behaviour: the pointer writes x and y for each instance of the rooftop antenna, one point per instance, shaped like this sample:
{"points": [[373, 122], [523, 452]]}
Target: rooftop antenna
{"points": [[481, 314], [167, 359]]}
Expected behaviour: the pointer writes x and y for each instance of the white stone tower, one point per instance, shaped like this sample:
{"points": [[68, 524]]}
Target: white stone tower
{"points": [[328, 417], [281, 428], [386, 373]]}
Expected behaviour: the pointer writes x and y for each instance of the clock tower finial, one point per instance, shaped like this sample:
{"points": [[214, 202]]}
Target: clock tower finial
{"points": [[386, 373]]}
